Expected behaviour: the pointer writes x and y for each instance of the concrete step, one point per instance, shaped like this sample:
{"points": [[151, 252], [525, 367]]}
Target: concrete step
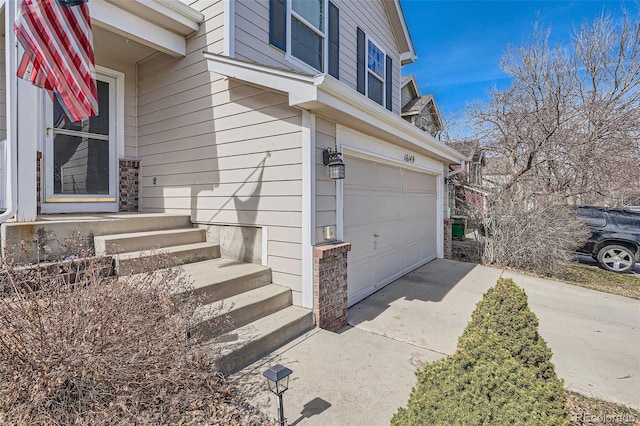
{"points": [[248, 343], [141, 261], [140, 222], [221, 278], [148, 240], [236, 311]]}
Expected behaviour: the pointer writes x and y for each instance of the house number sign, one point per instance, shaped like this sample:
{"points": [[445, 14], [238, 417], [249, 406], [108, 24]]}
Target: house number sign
{"points": [[408, 158]]}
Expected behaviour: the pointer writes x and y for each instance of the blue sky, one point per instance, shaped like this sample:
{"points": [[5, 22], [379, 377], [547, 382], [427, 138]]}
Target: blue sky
{"points": [[459, 43]]}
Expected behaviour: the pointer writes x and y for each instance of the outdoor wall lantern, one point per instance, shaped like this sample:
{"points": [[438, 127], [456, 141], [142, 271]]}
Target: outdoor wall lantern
{"points": [[450, 184], [332, 159], [278, 379]]}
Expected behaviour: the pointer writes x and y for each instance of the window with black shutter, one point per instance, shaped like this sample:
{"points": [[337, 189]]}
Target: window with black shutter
{"points": [[360, 60], [313, 36], [389, 83], [334, 41], [278, 23], [374, 71]]}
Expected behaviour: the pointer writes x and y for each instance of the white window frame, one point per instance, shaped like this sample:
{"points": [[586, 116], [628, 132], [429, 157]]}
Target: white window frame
{"points": [[369, 71], [324, 34]]}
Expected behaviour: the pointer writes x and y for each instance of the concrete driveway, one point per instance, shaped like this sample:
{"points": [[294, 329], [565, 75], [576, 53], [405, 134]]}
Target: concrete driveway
{"points": [[360, 375]]}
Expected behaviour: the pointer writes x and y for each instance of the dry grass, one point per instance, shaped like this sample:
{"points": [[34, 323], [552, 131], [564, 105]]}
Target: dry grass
{"points": [[80, 347], [598, 279]]}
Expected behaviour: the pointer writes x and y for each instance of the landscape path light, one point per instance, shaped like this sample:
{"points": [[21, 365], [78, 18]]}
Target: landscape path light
{"points": [[278, 379]]}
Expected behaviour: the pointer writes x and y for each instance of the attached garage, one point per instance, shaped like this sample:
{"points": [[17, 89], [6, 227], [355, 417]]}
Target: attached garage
{"points": [[390, 218]]}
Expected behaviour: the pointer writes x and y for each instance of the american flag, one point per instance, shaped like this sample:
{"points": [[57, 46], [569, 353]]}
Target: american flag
{"points": [[57, 39]]}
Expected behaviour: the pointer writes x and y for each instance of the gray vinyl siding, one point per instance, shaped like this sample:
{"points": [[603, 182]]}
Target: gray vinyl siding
{"points": [[371, 17], [406, 95], [325, 187], [220, 150], [252, 35], [252, 38]]}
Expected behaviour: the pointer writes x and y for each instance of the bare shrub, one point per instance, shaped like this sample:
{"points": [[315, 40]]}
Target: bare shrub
{"points": [[538, 235], [80, 347]]}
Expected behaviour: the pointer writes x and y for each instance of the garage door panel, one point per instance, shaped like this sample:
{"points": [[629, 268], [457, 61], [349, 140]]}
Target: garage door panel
{"points": [[412, 254], [420, 182], [357, 207], [413, 229], [359, 278], [428, 248], [361, 239], [360, 173], [428, 208], [386, 206], [388, 177], [414, 203], [389, 234], [398, 205], [386, 266]]}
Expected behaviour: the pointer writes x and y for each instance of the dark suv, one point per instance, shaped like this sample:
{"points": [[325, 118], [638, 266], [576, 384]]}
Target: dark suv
{"points": [[615, 237]]}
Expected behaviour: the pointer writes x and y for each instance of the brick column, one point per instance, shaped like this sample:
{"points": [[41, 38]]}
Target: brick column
{"points": [[330, 285], [448, 236], [128, 185], [39, 182]]}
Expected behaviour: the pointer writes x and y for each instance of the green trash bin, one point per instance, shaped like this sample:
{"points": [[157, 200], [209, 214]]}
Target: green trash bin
{"points": [[459, 227]]}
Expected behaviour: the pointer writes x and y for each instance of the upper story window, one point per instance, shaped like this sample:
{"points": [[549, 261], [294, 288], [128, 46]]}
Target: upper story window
{"points": [[375, 71], [308, 32]]}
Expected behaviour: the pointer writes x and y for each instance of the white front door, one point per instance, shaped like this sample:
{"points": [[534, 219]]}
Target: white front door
{"points": [[390, 217], [80, 159]]}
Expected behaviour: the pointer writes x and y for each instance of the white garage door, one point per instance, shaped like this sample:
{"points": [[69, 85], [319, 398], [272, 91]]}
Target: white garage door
{"points": [[390, 221]]}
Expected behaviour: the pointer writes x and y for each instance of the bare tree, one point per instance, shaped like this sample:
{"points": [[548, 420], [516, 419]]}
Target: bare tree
{"points": [[569, 124], [567, 131]]}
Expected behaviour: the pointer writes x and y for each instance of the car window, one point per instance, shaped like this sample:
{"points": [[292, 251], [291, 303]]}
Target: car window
{"points": [[628, 220], [593, 217]]}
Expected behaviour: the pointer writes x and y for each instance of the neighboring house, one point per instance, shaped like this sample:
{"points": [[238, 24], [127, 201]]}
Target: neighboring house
{"points": [[497, 171], [467, 182], [222, 110], [474, 167], [421, 111]]}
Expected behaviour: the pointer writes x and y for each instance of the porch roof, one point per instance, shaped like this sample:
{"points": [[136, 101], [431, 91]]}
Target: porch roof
{"points": [[159, 24]]}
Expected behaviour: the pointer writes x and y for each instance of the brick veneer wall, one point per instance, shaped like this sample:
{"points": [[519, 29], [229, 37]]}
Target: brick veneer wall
{"points": [[330, 285], [128, 185], [448, 236]]}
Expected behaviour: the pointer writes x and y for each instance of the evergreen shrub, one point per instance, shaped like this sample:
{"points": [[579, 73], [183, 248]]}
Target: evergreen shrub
{"points": [[501, 373]]}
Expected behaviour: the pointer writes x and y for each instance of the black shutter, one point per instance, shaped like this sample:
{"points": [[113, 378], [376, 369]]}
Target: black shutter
{"points": [[334, 41], [278, 23], [362, 66], [389, 83]]}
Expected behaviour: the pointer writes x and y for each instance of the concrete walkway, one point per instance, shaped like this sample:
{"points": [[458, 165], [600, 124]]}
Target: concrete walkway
{"points": [[361, 375]]}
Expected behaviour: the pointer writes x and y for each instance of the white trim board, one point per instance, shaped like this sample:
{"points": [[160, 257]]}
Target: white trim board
{"points": [[308, 205], [361, 145], [229, 28]]}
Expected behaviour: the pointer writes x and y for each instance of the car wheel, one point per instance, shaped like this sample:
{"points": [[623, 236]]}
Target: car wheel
{"points": [[616, 258]]}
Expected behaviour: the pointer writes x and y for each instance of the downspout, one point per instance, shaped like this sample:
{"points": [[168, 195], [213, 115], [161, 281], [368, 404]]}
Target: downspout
{"points": [[455, 172], [11, 88]]}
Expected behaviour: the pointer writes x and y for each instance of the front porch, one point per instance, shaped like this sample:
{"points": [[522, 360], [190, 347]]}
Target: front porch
{"points": [[93, 165], [259, 315]]}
